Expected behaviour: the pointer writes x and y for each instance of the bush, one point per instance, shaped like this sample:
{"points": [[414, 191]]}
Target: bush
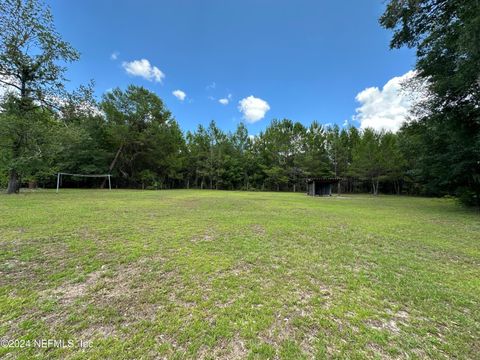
{"points": [[468, 197], [3, 180]]}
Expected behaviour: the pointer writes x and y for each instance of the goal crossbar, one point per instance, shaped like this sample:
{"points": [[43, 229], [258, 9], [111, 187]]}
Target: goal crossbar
{"points": [[59, 175]]}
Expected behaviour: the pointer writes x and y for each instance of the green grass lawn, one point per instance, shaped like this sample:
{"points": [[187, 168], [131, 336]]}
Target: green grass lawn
{"points": [[213, 274]]}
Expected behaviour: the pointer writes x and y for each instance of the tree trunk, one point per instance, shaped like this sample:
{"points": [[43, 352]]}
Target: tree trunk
{"points": [[13, 182], [375, 186], [112, 165], [396, 187]]}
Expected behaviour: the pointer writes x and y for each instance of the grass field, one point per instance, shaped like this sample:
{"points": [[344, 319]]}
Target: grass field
{"points": [[211, 274]]}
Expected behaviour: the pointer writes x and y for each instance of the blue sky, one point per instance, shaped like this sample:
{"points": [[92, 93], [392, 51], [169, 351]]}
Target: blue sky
{"points": [[307, 60]]}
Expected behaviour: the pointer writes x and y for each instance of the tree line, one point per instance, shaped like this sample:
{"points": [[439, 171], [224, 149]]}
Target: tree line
{"points": [[130, 133]]}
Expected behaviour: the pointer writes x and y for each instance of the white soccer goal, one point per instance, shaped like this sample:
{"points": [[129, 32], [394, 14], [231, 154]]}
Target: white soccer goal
{"points": [[59, 177]]}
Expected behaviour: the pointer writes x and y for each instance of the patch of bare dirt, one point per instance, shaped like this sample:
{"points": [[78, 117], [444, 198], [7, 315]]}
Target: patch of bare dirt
{"points": [[282, 329], [389, 325], [392, 324], [124, 289], [128, 289], [378, 351], [258, 230], [345, 325], [97, 330], [207, 236], [232, 349], [397, 318], [69, 292], [324, 292], [241, 269], [47, 255], [87, 233]]}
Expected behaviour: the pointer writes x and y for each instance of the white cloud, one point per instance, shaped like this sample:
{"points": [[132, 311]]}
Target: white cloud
{"points": [[114, 55], [179, 94], [213, 85], [144, 69], [387, 108], [3, 91], [224, 101], [253, 109], [6, 88], [83, 107]]}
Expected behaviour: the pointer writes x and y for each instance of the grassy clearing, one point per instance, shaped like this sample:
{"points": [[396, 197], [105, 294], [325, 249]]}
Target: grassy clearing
{"points": [[210, 274]]}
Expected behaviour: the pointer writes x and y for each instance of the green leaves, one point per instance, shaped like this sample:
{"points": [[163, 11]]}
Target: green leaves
{"points": [[31, 52], [145, 141], [447, 38]]}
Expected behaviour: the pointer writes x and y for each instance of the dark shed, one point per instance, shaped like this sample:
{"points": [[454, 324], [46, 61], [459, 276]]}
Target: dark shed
{"points": [[320, 186]]}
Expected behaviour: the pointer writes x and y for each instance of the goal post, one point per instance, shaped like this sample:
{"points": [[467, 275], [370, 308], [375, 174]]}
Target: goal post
{"points": [[108, 176]]}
